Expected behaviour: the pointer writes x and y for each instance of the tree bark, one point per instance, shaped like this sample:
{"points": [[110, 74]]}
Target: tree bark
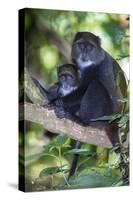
{"points": [[47, 118]]}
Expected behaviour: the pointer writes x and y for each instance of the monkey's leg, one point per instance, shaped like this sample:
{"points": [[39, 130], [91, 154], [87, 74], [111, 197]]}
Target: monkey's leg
{"points": [[74, 161]]}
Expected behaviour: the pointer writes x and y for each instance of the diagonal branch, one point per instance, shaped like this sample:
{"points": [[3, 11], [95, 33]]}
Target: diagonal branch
{"points": [[32, 91], [49, 121], [47, 118]]}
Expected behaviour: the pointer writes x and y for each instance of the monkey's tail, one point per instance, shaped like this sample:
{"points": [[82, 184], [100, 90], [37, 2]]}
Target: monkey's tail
{"points": [[74, 161]]}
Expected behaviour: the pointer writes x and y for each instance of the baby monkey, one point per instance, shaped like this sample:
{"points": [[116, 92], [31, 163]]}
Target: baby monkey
{"points": [[68, 81]]}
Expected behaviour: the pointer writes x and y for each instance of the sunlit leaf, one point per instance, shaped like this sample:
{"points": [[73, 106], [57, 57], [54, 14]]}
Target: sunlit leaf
{"points": [[51, 170], [124, 100], [84, 152], [104, 118], [114, 117], [38, 155], [61, 140], [124, 120]]}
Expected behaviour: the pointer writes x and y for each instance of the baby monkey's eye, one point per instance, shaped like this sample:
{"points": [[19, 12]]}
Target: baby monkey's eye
{"points": [[69, 77], [62, 78]]}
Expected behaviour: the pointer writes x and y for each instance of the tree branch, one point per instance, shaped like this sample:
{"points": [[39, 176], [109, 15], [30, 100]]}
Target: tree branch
{"points": [[32, 91], [47, 118], [49, 121]]}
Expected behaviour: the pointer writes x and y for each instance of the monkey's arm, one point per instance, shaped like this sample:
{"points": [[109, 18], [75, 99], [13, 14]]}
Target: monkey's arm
{"points": [[69, 105], [43, 91], [106, 76], [71, 100], [49, 94], [53, 90], [70, 113]]}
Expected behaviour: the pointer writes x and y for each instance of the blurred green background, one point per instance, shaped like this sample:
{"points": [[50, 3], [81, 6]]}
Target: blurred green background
{"points": [[48, 39]]}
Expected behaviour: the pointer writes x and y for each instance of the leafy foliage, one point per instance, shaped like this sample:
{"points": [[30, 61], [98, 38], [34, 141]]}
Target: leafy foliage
{"points": [[93, 180], [51, 170], [84, 152]]}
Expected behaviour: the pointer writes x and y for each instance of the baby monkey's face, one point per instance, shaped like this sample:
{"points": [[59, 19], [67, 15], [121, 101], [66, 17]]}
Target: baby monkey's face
{"points": [[67, 81], [68, 84]]}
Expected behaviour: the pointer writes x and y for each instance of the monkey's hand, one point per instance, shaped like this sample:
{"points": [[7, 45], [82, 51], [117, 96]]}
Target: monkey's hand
{"points": [[49, 106], [59, 108], [59, 103], [62, 112]]}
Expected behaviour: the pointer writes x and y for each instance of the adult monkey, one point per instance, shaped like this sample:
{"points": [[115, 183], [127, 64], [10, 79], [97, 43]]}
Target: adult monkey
{"points": [[96, 102], [93, 62]]}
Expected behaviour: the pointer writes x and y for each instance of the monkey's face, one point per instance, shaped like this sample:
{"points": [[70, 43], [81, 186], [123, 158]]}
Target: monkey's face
{"points": [[67, 80], [67, 84], [86, 50]]}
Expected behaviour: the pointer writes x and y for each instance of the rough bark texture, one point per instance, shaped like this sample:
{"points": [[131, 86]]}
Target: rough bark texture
{"points": [[49, 121], [32, 91]]}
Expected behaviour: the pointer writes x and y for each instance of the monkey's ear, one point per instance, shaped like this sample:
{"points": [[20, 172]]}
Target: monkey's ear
{"points": [[77, 36], [61, 68], [98, 40], [58, 69]]}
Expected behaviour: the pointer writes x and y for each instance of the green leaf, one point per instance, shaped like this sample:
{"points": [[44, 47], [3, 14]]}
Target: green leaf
{"points": [[95, 177], [124, 100], [38, 155], [108, 118], [93, 180], [53, 170], [114, 117], [84, 152], [102, 171], [123, 121], [67, 146], [104, 118], [61, 140], [52, 148], [49, 171]]}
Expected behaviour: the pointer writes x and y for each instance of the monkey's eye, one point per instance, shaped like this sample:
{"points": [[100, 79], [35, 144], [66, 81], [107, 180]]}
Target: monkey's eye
{"points": [[84, 45], [69, 78], [62, 78]]}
